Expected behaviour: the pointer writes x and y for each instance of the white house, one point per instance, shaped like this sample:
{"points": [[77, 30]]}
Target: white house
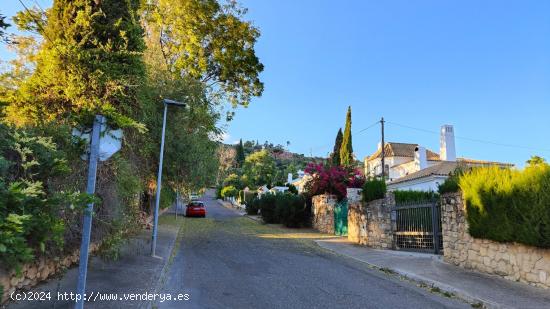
{"points": [[413, 167], [299, 182]]}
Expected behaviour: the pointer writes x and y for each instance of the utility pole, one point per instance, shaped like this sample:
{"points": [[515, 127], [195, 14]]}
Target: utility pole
{"points": [[383, 150]]}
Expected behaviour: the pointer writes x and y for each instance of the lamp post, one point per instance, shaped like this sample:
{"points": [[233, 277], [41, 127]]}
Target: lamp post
{"points": [[159, 177]]}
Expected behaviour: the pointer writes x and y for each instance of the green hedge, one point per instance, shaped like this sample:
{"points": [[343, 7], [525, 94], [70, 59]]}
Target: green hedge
{"points": [[509, 205], [374, 189], [291, 210], [253, 206], [285, 208], [268, 208], [414, 196]]}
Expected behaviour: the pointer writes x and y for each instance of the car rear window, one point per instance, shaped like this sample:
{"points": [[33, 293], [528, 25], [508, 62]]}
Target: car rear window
{"points": [[196, 205]]}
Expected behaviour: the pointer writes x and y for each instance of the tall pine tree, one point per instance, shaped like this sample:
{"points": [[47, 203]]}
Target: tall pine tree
{"points": [[346, 150], [240, 154], [335, 157]]}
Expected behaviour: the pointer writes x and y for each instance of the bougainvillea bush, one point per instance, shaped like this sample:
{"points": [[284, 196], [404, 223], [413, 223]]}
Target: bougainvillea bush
{"points": [[332, 180], [356, 179]]}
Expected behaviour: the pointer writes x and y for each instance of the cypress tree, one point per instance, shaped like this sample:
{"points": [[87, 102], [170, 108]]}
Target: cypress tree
{"points": [[346, 150], [335, 157], [240, 153]]}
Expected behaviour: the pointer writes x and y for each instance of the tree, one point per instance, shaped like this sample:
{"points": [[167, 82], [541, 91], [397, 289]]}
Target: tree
{"points": [[335, 156], [260, 168], [90, 62], [209, 42], [240, 154], [536, 160], [3, 26], [346, 150]]}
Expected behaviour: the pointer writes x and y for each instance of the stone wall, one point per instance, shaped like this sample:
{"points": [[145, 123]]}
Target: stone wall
{"points": [[379, 223], [370, 223], [356, 216], [509, 260], [323, 213], [357, 222], [40, 270]]}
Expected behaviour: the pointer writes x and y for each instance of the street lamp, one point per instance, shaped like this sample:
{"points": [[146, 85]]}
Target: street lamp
{"points": [[159, 177]]}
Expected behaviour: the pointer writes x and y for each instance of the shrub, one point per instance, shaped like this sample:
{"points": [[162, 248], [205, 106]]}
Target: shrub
{"points": [[229, 191], [450, 185], [356, 179], [252, 207], [325, 179], [374, 189], [30, 211], [291, 210], [292, 189], [219, 192], [414, 196], [509, 205], [285, 208], [249, 196], [268, 208]]}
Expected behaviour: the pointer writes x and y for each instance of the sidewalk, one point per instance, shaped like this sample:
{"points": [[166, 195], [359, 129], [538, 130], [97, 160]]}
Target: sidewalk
{"points": [[240, 211], [134, 272], [225, 204], [492, 291]]}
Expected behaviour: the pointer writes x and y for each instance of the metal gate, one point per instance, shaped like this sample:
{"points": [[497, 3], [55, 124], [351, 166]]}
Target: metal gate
{"points": [[417, 226], [341, 218]]}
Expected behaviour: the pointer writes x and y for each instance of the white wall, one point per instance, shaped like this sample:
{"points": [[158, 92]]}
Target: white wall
{"points": [[423, 184]]}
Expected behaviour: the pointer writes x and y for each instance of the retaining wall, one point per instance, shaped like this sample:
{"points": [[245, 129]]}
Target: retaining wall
{"points": [[512, 261]]}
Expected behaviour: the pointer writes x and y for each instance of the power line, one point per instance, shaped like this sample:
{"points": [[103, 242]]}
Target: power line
{"points": [[470, 139], [365, 129]]}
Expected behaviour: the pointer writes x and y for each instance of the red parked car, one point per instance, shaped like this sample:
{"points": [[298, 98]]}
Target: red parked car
{"points": [[195, 209]]}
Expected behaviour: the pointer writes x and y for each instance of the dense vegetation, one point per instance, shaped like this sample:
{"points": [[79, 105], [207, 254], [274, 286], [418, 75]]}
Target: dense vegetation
{"points": [[255, 165], [509, 205], [31, 213], [118, 59], [409, 196], [450, 185], [374, 189], [285, 208]]}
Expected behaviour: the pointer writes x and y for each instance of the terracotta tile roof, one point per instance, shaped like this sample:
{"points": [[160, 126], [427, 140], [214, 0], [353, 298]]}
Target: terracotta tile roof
{"points": [[443, 168], [482, 162], [392, 149]]}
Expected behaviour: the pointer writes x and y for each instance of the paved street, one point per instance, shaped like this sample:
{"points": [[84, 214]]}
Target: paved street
{"points": [[230, 261]]}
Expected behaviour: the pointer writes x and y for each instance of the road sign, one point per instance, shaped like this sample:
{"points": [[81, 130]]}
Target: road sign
{"points": [[109, 143]]}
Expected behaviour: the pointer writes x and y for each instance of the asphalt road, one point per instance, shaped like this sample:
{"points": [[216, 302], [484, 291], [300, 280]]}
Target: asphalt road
{"points": [[230, 261]]}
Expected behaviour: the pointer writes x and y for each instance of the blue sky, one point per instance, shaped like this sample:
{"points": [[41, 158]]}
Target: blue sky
{"points": [[483, 66]]}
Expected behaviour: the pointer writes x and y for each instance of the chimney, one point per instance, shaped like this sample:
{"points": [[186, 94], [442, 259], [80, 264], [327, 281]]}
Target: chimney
{"points": [[420, 158], [447, 150], [289, 178]]}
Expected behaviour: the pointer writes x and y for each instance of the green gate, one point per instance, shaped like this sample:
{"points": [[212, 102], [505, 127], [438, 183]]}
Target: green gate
{"points": [[341, 218]]}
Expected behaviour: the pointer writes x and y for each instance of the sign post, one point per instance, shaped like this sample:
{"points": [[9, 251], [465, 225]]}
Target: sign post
{"points": [[87, 221]]}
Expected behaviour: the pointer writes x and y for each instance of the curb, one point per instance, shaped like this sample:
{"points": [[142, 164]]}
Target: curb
{"points": [[460, 294], [165, 267]]}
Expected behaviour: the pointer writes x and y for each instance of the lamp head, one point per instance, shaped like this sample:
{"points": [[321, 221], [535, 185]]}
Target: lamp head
{"points": [[176, 103]]}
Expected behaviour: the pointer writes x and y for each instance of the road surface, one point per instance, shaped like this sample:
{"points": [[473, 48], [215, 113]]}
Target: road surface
{"points": [[229, 261]]}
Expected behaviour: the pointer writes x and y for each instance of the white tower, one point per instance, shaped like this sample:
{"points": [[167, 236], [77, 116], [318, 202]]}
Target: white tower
{"points": [[447, 150]]}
